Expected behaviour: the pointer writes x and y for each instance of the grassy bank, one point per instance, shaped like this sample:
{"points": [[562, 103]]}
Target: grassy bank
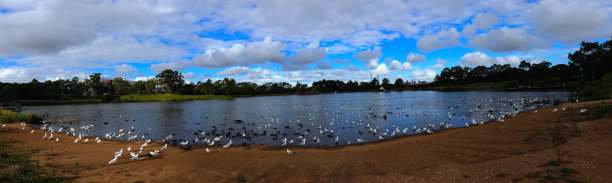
{"points": [[7, 116], [21, 167], [168, 97], [59, 102]]}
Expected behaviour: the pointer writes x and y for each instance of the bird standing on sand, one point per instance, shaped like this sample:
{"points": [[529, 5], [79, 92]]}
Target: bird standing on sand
{"points": [[289, 152], [228, 144], [112, 161], [165, 146], [32, 131], [209, 150], [45, 137]]}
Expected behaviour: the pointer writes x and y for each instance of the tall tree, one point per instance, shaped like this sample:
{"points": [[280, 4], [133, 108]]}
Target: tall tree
{"points": [[95, 84], [173, 80]]}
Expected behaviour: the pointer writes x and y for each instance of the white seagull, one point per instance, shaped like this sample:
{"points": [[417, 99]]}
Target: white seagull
{"points": [[228, 144]]}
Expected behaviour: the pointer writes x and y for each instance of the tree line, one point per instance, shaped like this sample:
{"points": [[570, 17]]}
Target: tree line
{"points": [[587, 65], [172, 82]]}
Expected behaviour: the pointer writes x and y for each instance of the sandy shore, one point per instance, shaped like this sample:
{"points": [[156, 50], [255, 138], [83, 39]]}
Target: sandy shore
{"points": [[493, 152]]}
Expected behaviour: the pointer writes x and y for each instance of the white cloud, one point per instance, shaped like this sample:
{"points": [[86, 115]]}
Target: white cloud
{"points": [[180, 65], [370, 56], [571, 21], [339, 49], [478, 58], [406, 66], [143, 78], [307, 55], [381, 70], [484, 21], [440, 40], [439, 64], [423, 75], [236, 70], [395, 66], [506, 39], [253, 53], [415, 57]]}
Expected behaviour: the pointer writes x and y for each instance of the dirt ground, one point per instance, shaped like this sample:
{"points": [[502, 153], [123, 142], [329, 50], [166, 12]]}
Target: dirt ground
{"points": [[516, 150]]}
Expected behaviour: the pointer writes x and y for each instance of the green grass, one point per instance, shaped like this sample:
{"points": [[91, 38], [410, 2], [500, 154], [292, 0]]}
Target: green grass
{"points": [[168, 97], [20, 167], [7, 116]]}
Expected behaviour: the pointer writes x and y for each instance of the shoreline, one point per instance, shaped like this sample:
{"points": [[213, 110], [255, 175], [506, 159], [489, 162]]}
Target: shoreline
{"points": [[449, 155], [124, 98]]}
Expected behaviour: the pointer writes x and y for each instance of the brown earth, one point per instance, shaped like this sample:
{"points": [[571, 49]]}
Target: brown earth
{"points": [[514, 150]]}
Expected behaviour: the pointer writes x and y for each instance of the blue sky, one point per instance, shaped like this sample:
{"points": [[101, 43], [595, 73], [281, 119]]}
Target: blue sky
{"points": [[287, 41]]}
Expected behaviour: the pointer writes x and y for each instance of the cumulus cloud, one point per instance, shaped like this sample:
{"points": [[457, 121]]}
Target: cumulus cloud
{"points": [[439, 40], [506, 39], [253, 53], [415, 57], [380, 70], [406, 66], [395, 66], [370, 57], [423, 75], [439, 64], [478, 58], [304, 56], [571, 21], [485, 20]]}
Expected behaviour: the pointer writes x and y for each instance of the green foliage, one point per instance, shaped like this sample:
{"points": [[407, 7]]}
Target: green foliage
{"points": [[172, 80], [593, 59], [7, 116]]}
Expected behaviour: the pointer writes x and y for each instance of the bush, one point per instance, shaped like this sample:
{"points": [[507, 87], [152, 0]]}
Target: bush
{"points": [[7, 116]]}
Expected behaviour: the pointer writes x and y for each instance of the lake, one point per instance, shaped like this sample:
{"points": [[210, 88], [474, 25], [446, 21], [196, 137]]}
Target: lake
{"points": [[319, 119]]}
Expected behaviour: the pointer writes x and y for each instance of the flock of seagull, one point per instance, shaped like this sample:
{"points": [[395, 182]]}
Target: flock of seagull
{"points": [[306, 129]]}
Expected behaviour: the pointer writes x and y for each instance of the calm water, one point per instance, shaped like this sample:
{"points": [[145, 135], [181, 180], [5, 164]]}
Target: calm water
{"points": [[268, 120]]}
